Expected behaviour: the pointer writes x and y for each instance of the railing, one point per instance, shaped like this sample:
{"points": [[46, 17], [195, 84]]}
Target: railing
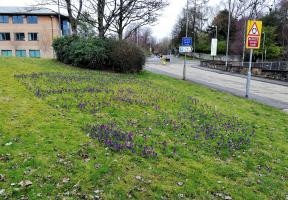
{"points": [[270, 66]]}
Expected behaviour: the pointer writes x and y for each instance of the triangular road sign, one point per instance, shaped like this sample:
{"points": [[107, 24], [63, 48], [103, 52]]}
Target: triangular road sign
{"points": [[254, 30]]}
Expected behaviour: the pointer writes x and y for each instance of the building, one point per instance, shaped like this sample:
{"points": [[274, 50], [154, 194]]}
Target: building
{"points": [[29, 31]]}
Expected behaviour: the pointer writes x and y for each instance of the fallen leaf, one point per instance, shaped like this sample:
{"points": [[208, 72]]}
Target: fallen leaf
{"points": [[2, 192], [25, 183], [66, 180], [180, 183], [8, 144], [139, 178], [2, 178]]}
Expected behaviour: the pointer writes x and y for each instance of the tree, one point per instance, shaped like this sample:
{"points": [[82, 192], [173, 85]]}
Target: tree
{"points": [[102, 14], [137, 12], [86, 27], [73, 7], [196, 22], [221, 21], [282, 15], [163, 47]]}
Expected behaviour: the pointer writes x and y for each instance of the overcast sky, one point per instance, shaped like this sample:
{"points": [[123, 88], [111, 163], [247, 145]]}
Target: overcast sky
{"points": [[160, 30]]}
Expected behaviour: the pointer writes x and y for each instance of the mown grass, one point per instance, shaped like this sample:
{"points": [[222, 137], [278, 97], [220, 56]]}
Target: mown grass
{"points": [[186, 142]]}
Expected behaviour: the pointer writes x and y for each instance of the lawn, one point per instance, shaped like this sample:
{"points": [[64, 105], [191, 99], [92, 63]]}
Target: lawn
{"points": [[69, 133]]}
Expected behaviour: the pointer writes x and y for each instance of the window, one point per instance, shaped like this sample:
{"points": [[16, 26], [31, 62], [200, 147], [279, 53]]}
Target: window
{"points": [[32, 36], [6, 53], [20, 53], [4, 19], [4, 36], [34, 53], [17, 19], [32, 19], [65, 27], [20, 36]]}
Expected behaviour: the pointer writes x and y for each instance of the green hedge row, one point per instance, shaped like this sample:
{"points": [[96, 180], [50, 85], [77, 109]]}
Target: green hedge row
{"points": [[100, 54]]}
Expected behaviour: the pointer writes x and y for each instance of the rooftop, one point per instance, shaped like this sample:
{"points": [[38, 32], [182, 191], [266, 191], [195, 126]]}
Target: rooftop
{"points": [[27, 10]]}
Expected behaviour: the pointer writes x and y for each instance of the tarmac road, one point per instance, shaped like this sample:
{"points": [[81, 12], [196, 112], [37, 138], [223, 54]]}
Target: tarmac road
{"points": [[273, 93]]}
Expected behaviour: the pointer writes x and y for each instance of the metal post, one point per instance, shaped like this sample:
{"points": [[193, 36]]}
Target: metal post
{"points": [[228, 34], [263, 47], [59, 19], [194, 23], [249, 75], [137, 37], [187, 23], [244, 43]]}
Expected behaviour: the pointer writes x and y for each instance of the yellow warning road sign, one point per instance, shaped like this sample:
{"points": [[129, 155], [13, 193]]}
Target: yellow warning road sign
{"points": [[254, 31]]}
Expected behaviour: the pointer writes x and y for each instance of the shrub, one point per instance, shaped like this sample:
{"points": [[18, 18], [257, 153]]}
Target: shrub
{"points": [[126, 57], [62, 48], [98, 53]]}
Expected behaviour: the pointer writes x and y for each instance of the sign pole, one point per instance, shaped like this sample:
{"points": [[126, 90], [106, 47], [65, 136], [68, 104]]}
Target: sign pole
{"points": [[187, 23], [253, 41], [249, 74]]}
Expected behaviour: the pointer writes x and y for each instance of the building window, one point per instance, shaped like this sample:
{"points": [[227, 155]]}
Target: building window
{"points": [[34, 53], [65, 27], [32, 19], [20, 36], [4, 19], [17, 19], [32, 36], [4, 36], [20, 53], [6, 53]]}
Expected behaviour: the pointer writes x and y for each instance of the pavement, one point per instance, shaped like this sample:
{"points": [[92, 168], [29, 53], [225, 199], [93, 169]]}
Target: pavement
{"points": [[270, 92]]}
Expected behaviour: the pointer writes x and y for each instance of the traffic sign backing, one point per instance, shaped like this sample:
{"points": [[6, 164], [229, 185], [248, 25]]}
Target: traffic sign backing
{"points": [[186, 41], [185, 49], [254, 30]]}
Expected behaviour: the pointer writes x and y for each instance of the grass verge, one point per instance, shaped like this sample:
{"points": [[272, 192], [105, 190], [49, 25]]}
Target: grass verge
{"points": [[76, 134]]}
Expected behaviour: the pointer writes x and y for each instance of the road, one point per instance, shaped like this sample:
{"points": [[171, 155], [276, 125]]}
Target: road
{"points": [[264, 91]]}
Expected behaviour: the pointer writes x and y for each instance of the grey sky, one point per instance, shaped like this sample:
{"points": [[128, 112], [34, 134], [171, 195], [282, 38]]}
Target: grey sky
{"points": [[160, 30]]}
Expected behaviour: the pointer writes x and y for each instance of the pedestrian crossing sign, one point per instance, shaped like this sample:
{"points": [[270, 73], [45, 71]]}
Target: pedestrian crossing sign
{"points": [[254, 31]]}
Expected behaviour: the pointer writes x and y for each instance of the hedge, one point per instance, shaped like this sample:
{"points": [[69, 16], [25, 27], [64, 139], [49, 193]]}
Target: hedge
{"points": [[100, 54]]}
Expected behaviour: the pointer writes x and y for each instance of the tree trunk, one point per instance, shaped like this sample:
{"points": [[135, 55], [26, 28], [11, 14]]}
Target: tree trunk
{"points": [[120, 34], [101, 7], [74, 26], [120, 21], [72, 20]]}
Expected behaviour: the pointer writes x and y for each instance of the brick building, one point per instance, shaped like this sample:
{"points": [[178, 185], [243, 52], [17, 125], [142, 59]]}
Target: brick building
{"points": [[29, 32]]}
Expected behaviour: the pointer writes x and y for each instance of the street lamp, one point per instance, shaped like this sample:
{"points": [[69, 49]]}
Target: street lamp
{"points": [[187, 24], [214, 43], [263, 47], [228, 34], [216, 31]]}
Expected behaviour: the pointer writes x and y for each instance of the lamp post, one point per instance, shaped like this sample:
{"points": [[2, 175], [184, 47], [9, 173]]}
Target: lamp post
{"points": [[187, 24], [228, 34], [244, 42], [216, 37], [263, 46], [216, 33]]}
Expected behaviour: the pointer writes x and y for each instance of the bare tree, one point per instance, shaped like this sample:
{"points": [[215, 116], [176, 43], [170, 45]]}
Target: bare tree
{"points": [[248, 8], [73, 8], [137, 12], [103, 13]]}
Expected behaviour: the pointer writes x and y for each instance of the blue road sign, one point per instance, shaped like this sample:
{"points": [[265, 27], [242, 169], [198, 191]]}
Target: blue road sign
{"points": [[186, 41]]}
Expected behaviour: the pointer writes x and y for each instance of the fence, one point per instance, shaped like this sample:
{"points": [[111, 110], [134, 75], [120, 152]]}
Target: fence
{"points": [[203, 56], [269, 66]]}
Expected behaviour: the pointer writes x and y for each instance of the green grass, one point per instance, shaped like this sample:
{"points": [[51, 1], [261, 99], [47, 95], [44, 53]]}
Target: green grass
{"points": [[46, 136]]}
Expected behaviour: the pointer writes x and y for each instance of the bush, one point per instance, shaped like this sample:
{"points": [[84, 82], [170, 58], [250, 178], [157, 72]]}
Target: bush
{"points": [[98, 53], [126, 57]]}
